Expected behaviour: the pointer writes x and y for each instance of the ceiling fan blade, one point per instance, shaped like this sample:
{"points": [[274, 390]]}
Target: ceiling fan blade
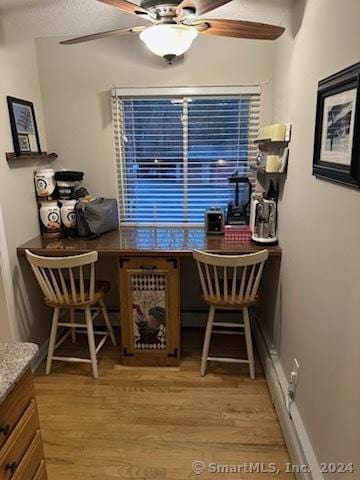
{"points": [[201, 6], [98, 36], [126, 6], [239, 29]]}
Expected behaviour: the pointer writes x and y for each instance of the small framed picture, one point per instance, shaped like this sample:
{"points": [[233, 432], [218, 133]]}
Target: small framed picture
{"points": [[337, 134], [23, 126], [24, 144]]}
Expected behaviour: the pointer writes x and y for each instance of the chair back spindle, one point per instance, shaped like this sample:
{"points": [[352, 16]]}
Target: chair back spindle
{"points": [[235, 279], [64, 280]]}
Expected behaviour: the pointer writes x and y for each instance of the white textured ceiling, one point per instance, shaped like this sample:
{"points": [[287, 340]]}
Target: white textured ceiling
{"points": [[44, 18]]}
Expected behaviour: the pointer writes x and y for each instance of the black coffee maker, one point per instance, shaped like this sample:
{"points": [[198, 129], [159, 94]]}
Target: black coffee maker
{"points": [[238, 212]]}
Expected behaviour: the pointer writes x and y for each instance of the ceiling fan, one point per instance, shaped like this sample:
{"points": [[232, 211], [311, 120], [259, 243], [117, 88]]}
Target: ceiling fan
{"points": [[175, 25]]}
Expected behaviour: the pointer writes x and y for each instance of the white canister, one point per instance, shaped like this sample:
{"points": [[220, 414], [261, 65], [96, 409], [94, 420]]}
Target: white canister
{"points": [[50, 219], [45, 182], [68, 216]]}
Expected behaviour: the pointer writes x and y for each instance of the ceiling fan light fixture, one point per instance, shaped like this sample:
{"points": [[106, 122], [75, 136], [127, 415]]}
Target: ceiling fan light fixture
{"points": [[169, 40]]}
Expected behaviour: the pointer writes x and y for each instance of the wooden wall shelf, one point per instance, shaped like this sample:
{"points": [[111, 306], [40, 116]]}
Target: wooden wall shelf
{"points": [[278, 133], [268, 141], [10, 156]]}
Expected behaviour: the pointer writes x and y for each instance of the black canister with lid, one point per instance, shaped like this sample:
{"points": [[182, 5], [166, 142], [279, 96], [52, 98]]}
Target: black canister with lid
{"points": [[67, 181]]}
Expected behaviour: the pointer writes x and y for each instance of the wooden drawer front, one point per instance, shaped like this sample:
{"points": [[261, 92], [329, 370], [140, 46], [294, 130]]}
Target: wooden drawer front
{"points": [[30, 465], [41, 472], [14, 406], [18, 442]]}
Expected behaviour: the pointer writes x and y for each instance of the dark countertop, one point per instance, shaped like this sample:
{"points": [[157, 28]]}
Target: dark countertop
{"points": [[143, 241], [15, 359]]}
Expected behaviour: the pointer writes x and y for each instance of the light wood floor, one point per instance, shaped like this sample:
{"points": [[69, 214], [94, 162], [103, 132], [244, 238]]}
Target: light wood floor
{"points": [[153, 423]]}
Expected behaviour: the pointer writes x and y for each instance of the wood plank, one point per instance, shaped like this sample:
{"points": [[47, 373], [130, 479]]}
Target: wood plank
{"points": [[141, 423], [10, 156]]}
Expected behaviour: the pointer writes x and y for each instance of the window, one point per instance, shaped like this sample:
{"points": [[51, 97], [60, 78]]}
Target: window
{"points": [[175, 152]]}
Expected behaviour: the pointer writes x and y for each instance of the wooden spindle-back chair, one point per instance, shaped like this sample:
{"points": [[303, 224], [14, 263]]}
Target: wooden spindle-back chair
{"points": [[69, 284], [230, 282]]}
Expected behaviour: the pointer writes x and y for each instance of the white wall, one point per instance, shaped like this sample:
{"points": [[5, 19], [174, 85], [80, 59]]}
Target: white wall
{"points": [[320, 233], [19, 78], [76, 82]]}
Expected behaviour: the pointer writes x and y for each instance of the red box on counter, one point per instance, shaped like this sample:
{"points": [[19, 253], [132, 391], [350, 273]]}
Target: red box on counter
{"points": [[236, 233]]}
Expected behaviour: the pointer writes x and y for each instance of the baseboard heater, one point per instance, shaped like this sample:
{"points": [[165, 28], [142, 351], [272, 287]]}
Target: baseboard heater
{"points": [[297, 441]]}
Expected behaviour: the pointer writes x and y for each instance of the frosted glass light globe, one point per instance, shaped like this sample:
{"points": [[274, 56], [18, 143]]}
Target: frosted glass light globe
{"points": [[168, 39]]}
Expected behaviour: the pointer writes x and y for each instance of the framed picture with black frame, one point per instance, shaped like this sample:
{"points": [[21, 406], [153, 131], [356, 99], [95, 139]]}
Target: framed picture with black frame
{"points": [[337, 130], [23, 126]]}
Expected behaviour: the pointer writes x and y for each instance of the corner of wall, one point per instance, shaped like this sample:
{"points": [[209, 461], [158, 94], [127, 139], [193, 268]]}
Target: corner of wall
{"points": [[20, 78]]}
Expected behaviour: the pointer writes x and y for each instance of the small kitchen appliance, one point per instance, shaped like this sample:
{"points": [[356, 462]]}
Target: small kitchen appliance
{"points": [[67, 182], [263, 219], [238, 211], [214, 221]]}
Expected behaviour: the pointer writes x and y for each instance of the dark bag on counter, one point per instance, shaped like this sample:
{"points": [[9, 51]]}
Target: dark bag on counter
{"points": [[97, 217]]}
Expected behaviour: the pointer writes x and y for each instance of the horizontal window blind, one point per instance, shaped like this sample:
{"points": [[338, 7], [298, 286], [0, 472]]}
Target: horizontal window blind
{"points": [[174, 154]]}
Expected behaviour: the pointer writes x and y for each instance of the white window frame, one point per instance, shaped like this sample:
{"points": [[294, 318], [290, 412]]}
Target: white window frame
{"points": [[187, 91]]}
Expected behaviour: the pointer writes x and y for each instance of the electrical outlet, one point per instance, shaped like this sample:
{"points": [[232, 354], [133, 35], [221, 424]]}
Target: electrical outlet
{"points": [[295, 372], [293, 379]]}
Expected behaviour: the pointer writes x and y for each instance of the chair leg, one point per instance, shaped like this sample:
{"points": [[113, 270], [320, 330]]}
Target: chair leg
{"points": [[72, 320], [207, 339], [107, 321], [249, 345], [52, 340], [91, 340]]}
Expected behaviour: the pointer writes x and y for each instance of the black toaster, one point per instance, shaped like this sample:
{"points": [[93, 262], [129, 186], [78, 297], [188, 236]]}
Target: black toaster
{"points": [[214, 221]]}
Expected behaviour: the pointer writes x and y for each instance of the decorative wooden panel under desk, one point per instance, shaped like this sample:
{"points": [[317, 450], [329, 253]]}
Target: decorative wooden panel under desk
{"points": [[150, 311]]}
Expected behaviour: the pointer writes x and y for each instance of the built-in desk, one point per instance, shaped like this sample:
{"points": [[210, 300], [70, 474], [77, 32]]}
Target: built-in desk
{"points": [[144, 241], [148, 259]]}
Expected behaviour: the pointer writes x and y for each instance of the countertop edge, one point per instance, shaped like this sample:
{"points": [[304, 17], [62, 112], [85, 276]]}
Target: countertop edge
{"points": [[146, 241], [15, 360]]}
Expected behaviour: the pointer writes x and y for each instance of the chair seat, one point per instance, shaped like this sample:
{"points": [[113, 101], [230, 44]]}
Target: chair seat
{"points": [[227, 304], [101, 289]]}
